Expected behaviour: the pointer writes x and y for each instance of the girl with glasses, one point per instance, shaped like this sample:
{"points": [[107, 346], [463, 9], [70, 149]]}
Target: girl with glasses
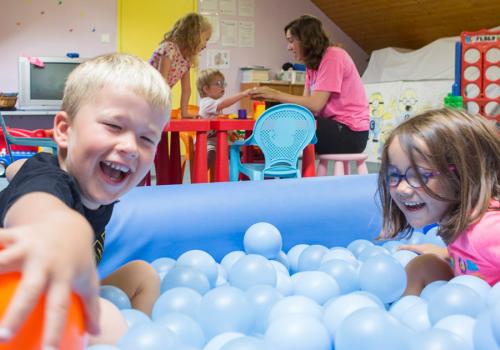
{"points": [[443, 167]]}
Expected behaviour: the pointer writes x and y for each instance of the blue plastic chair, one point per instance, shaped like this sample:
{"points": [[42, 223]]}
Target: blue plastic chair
{"points": [[25, 141], [281, 132]]}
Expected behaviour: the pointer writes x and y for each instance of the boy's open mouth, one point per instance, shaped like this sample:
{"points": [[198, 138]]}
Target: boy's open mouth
{"points": [[114, 171]]}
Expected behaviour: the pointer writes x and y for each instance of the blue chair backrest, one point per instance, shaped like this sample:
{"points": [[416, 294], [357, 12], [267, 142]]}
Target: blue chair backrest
{"points": [[282, 132]]}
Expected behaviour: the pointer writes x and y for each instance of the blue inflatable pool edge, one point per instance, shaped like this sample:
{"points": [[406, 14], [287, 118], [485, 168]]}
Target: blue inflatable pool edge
{"points": [[165, 221]]}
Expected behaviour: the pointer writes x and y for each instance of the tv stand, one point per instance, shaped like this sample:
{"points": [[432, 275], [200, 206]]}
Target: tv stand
{"points": [[29, 119]]}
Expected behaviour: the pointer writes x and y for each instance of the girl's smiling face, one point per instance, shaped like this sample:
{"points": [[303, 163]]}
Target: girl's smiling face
{"points": [[419, 208]]}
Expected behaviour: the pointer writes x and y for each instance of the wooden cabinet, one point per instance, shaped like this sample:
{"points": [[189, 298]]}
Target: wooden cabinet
{"points": [[294, 89]]}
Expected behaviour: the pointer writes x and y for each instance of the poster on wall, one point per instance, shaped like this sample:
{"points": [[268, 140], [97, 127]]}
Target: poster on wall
{"points": [[394, 102], [218, 59], [214, 21], [228, 32], [246, 34], [227, 7], [246, 8], [209, 6]]}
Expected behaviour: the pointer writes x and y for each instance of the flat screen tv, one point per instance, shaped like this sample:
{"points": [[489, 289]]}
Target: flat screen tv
{"points": [[41, 88]]}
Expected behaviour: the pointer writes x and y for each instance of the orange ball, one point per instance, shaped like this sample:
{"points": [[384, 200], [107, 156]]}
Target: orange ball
{"points": [[29, 336]]}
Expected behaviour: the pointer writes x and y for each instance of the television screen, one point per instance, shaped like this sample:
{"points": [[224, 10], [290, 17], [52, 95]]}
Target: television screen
{"points": [[47, 83], [41, 88]]}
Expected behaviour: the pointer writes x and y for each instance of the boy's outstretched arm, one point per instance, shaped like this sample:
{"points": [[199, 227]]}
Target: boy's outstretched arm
{"points": [[51, 245], [229, 101]]}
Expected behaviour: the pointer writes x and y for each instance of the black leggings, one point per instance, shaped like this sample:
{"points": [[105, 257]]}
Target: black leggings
{"points": [[334, 137]]}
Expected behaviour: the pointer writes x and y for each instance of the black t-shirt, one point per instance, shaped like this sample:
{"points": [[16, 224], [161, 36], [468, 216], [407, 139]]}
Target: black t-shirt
{"points": [[41, 173]]}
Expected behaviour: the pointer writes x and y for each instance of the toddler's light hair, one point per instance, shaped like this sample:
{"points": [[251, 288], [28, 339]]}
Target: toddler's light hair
{"points": [[205, 77], [116, 70]]}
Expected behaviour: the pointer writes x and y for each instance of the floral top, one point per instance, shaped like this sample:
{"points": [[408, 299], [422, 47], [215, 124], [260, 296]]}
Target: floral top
{"points": [[178, 64]]}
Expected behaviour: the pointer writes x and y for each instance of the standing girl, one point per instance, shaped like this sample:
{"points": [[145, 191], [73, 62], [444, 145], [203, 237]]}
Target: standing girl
{"points": [[178, 52], [443, 167]]}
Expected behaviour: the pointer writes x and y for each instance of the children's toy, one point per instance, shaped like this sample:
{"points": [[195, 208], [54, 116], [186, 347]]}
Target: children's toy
{"points": [[480, 72], [29, 336]]}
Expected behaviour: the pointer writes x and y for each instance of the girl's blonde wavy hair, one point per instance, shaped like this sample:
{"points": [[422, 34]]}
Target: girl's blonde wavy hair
{"points": [[186, 34]]}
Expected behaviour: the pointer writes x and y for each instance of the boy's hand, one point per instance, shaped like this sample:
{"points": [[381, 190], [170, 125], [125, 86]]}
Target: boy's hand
{"points": [[53, 250]]}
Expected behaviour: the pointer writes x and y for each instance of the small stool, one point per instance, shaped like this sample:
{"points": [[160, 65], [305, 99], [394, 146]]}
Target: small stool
{"points": [[341, 163]]}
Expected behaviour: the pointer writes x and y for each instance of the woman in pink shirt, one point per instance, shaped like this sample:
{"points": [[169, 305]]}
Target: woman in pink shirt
{"points": [[333, 89], [443, 167]]}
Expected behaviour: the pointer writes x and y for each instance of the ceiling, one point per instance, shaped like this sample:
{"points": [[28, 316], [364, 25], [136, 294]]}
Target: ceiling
{"points": [[410, 24]]}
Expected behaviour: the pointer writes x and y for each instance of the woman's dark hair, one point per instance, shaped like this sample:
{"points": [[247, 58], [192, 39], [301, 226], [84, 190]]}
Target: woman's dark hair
{"points": [[312, 37]]}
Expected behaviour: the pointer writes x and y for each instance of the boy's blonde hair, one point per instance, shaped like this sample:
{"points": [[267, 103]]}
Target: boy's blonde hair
{"points": [[121, 71], [186, 33], [205, 77], [465, 150]]}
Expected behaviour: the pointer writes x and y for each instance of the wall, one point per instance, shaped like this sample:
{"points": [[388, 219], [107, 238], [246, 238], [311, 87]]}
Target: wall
{"points": [[270, 18], [142, 24], [53, 28]]}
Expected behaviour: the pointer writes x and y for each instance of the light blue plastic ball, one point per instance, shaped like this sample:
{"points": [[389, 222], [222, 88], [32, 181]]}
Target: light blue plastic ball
{"points": [[358, 245], [217, 342], [340, 253], [184, 327], [477, 284], [180, 299], [494, 295], [415, 238], [262, 298], [284, 284], [134, 317], [399, 307], [251, 270], [185, 276], [495, 322], [116, 296], [431, 288], [230, 258], [371, 328], [147, 336], [279, 267], [460, 325], [417, 318], [163, 265], [310, 259], [202, 261], [344, 273], [404, 256], [295, 305], [317, 285], [221, 276], [297, 332], [483, 332], [225, 309], [383, 276], [283, 258], [371, 251], [436, 339], [264, 239], [245, 343], [392, 246], [293, 256], [454, 298], [339, 308]]}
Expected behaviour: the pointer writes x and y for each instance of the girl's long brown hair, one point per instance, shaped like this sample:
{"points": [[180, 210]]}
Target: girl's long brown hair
{"points": [[465, 150]]}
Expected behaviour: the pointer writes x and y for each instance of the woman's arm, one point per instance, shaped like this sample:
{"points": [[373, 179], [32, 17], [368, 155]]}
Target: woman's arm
{"points": [[229, 101], [314, 102]]}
